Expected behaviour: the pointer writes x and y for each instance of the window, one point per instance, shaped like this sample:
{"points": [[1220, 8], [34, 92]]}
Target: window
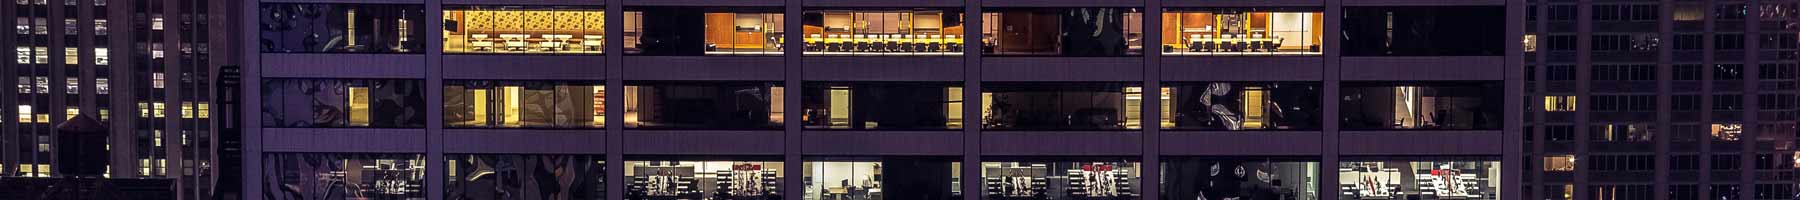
{"points": [[1559, 73], [1193, 178], [889, 178], [1684, 191], [1060, 106], [1631, 43], [1558, 133], [342, 28], [697, 31], [704, 105], [1727, 132], [1776, 101], [1731, 11], [1684, 162], [1728, 102], [1421, 105], [1684, 102], [1029, 180], [1624, 72], [1779, 41], [1687, 72], [1562, 43], [378, 103], [531, 104], [1728, 41], [675, 179], [1622, 163], [1242, 106], [883, 106], [1530, 42], [1689, 13], [400, 175], [1688, 42], [1559, 103], [1625, 13], [523, 29], [1242, 31], [1562, 12], [884, 32], [1728, 72], [1624, 103], [1424, 31], [1726, 162], [1622, 132], [1559, 163], [1473, 179], [1776, 71], [472, 176], [1724, 191], [1072, 32], [1776, 191], [1621, 192]]}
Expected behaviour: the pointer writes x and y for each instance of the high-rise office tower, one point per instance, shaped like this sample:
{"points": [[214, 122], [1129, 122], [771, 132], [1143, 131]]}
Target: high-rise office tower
{"points": [[1661, 99], [139, 66]]}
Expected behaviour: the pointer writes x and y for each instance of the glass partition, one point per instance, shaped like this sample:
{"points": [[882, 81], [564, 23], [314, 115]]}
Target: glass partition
{"points": [[524, 29], [735, 180], [1419, 179], [1073, 32], [1061, 106], [747, 105], [884, 32], [1078, 180], [883, 105], [891, 178], [1216, 178], [524, 104], [342, 28], [344, 175], [1242, 31], [1442, 105], [491, 176], [326, 103], [698, 31], [1241, 106]]}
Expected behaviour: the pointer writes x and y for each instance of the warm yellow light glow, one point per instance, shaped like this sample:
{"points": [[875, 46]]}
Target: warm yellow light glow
{"points": [[777, 104], [1559, 163], [1254, 115], [481, 106], [511, 110], [1559, 103], [953, 111], [1134, 107], [359, 106], [839, 111]]}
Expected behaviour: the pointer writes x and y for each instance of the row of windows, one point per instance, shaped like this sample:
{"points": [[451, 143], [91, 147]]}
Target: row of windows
{"points": [[696, 31], [1650, 42], [1641, 132], [395, 103], [1680, 72], [1650, 13], [583, 177]]}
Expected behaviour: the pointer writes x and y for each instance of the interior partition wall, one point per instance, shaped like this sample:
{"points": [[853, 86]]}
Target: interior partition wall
{"points": [[839, 99]]}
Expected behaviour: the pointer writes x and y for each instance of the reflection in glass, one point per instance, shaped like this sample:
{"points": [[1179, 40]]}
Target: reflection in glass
{"points": [[879, 32], [513, 104], [1424, 31], [1062, 32], [523, 29], [1061, 106], [696, 31], [525, 177], [342, 28], [1060, 180], [922, 179], [1419, 180], [380, 103], [1239, 178], [1422, 105], [305, 176], [703, 105], [731, 180], [884, 106], [1242, 31], [1242, 106]]}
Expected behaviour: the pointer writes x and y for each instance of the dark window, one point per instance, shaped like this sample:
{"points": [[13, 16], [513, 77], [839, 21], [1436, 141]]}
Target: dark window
{"points": [[1626, 103], [1776, 71], [1731, 11], [1621, 192], [1192, 177], [1728, 72], [1726, 162], [1625, 12], [1775, 101], [1684, 192], [578, 176], [1621, 162], [696, 31], [1684, 162], [1724, 191], [1689, 42], [1424, 31], [1728, 102], [1421, 105], [378, 103], [1728, 41], [883, 106], [1061, 106], [1687, 72], [1779, 41], [1244, 106], [1561, 43], [524, 104], [1776, 191], [1684, 102], [1624, 72], [1562, 13], [1559, 73], [1063, 32], [1556, 133], [342, 28], [704, 105]]}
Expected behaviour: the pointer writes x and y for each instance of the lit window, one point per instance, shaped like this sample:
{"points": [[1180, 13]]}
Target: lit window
{"points": [[72, 85], [1559, 103], [71, 56], [1243, 31], [203, 111], [102, 86], [25, 114], [156, 23], [1530, 42], [1559, 163], [1727, 132], [70, 112], [359, 106], [156, 109], [187, 110], [156, 80], [100, 57]]}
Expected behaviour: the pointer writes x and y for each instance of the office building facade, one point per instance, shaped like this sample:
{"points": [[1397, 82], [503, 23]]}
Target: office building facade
{"points": [[879, 99], [1660, 100]]}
